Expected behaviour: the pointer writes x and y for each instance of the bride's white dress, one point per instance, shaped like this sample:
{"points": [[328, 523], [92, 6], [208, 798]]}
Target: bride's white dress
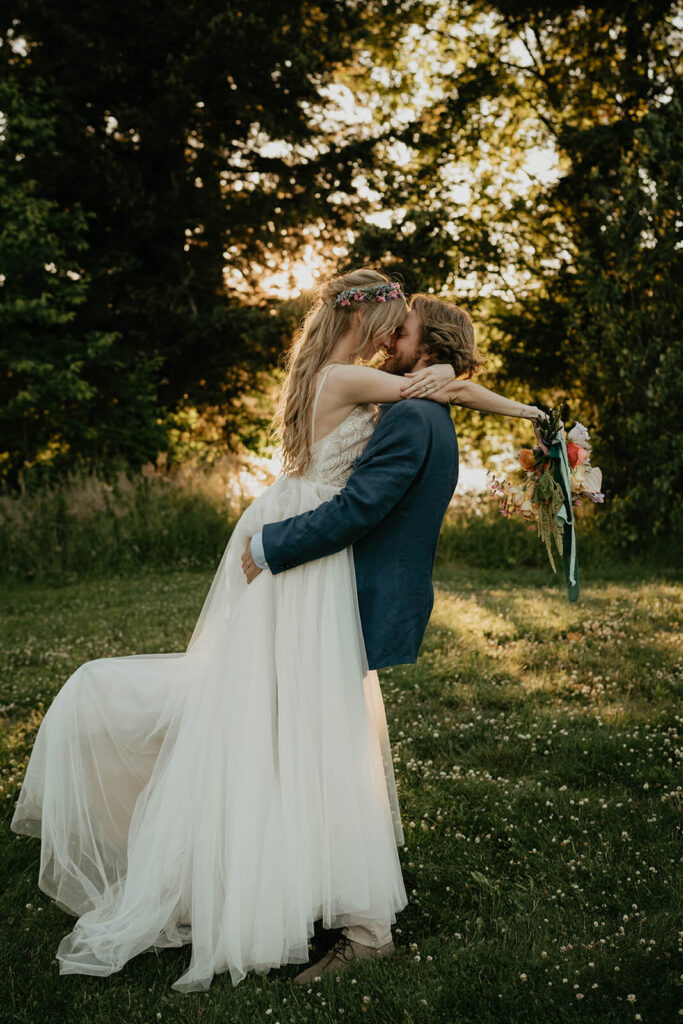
{"points": [[231, 795]]}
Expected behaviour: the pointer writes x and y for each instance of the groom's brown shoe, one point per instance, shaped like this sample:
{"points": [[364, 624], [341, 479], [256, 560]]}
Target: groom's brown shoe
{"points": [[341, 956]]}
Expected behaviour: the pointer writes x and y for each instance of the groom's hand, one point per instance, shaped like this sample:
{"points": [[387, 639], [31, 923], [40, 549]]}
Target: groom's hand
{"points": [[249, 566]]}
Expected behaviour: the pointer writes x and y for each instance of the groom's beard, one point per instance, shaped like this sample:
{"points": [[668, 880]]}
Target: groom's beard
{"points": [[396, 365]]}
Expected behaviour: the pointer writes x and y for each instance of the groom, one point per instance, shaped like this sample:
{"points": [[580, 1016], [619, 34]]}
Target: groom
{"points": [[391, 511], [393, 504]]}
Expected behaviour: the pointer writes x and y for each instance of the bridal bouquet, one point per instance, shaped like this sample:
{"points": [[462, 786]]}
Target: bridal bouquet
{"points": [[551, 480]]}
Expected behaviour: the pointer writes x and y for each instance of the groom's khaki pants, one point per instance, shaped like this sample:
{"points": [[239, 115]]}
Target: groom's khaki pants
{"points": [[369, 933]]}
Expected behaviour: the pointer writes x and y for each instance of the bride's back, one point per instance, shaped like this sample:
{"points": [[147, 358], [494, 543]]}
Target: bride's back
{"points": [[338, 433]]}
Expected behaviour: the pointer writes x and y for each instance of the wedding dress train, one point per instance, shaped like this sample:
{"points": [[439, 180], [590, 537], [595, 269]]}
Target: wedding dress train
{"points": [[231, 795]]}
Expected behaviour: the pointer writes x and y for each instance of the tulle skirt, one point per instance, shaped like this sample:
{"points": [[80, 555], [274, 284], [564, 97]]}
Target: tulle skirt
{"points": [[228, 796]]}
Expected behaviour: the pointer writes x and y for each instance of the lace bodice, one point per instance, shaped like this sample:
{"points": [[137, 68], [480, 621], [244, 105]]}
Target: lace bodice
{"points": [[332, 457]]}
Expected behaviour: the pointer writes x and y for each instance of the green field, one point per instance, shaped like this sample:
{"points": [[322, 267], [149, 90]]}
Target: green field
{"points": [[535, 745]]}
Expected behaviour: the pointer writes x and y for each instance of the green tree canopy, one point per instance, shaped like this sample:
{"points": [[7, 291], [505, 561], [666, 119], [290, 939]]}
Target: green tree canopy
{"points": [[572, 275], [158, 165], [146, 151]]}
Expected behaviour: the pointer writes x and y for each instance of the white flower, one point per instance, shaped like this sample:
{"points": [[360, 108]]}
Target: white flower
{"points": [[579, 435], [590, 478]]}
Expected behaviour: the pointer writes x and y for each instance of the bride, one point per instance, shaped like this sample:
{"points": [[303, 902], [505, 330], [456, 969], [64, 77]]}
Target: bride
{"points": [[231, 795]]}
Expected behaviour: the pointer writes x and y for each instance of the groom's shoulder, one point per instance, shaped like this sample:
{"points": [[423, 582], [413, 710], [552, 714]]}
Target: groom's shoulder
{"points": [[413, 411]]}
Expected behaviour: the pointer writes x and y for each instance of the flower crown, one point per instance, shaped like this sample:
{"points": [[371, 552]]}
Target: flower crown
{"points": [[369, 292]]}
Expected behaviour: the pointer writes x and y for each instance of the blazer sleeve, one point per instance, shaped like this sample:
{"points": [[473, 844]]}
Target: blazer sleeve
{"points": [[392, 459]]}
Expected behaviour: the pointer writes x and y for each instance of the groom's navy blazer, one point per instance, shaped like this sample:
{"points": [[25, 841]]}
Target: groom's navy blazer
{"points": [[391, 511]]}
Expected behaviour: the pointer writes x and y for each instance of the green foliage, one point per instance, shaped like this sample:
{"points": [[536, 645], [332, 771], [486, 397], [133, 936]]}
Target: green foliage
{"points": [[623, 311], [609, 304], [156, 169], [51, 371], [573, 279], [159, 162]]}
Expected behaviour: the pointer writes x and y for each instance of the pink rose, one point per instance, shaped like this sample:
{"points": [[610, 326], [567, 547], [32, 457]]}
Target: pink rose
{"points": [[576, 454]]}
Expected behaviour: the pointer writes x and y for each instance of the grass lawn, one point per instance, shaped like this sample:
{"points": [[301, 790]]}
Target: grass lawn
{"points": [[535, 745]]}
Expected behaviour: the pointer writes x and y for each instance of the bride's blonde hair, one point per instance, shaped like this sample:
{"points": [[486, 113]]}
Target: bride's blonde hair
{"points": [[322, 327]]}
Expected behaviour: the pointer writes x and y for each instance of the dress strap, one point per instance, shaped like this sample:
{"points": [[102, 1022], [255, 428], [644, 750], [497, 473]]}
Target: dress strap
{"points": [[317, 396]]}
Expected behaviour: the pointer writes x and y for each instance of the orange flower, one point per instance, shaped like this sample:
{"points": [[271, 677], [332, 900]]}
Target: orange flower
{"points": [[576, 454], [526, 458]]}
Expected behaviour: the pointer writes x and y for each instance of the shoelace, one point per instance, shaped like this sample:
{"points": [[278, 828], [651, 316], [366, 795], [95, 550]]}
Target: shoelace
{"points": [[340, 949]]}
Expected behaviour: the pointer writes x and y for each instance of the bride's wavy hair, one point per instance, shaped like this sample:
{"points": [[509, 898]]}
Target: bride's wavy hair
{"points": [[321, 329]]}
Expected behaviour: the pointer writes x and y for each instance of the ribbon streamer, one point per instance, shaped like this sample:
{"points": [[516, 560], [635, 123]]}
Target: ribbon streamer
{"points": [[557, 451]]}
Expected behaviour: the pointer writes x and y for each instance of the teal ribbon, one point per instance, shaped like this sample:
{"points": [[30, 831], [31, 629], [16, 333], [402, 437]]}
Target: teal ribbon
{"points": [[565, 517]]}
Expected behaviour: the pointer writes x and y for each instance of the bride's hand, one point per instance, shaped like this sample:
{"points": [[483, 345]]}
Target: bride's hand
{"points": [[534, 423], [431, 378], [537, 432], [443, 396]]}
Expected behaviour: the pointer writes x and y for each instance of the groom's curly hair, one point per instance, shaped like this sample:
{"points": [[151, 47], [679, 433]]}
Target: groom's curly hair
{"points": [[447, 335]]}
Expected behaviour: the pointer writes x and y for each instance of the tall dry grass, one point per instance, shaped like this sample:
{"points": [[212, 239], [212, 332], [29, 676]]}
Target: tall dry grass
{"points": [[474, 533], [183, 517], [86, 525]]}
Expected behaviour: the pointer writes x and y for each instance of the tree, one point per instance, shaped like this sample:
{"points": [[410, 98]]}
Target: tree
{"points": [[179, 142], [49, 395], [574, 276]]}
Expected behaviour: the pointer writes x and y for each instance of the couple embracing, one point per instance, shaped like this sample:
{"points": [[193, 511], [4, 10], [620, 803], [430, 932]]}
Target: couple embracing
{"points": [[232, 795]]}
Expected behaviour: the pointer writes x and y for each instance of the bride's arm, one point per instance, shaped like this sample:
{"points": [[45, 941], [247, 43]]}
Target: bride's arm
{"points": [[474, 396], [354, 385]]}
